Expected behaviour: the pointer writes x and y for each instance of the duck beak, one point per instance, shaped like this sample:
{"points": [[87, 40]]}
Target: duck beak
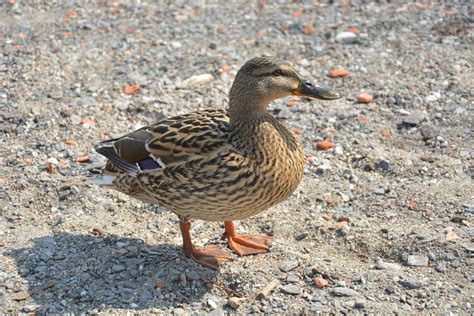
{"points": [[308, 89]]}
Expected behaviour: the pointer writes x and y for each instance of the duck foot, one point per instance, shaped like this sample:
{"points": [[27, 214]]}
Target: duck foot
{"points": [[210, 257], [246, 244]]}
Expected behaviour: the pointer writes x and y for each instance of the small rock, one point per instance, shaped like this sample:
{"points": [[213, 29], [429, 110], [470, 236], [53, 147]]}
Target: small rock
{"points": [[47, 241], [301, 236], [365, 98], [234, 302], [29, 308], [440, 267], [360, 304], [339, 151], [343, 291], [176, 44], [76, 119], [180, 312], [212, 304], [216, 312], [117, 268], [433, 97], [417, 260], [414, 119], [291, 289], [412, 284], [53, 161], [428, 133], [344, 230], [379, 191], [288, 265], [346, 38], [379, 264], [383, 165], [320, 282], [292, 278]]}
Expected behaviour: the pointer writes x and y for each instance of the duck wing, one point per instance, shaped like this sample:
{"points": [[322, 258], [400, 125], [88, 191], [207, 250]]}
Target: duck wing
{"points": [[170, 141]]}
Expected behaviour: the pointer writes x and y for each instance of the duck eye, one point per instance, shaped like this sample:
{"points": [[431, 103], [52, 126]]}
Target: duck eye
{"points": [[277, 73]]}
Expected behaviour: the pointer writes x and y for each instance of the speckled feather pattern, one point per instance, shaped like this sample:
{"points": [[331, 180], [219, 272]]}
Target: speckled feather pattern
{"points": [[213, 173]]}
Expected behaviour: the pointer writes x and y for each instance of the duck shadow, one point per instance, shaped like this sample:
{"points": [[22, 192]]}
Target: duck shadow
{"points": [[80, 273]]}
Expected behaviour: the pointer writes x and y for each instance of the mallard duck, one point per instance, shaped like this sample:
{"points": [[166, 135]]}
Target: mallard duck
{"points": [[218, 165]]}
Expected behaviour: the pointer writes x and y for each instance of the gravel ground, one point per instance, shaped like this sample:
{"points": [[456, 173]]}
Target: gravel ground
{"points": [[381, 222]]}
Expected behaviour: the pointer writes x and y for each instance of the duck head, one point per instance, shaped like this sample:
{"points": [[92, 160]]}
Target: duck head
{"points": [[264, 79]]}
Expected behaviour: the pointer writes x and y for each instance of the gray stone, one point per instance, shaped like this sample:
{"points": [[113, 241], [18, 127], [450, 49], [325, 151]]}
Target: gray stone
{"points": [[440, 267], [344, 230], [379, 191], [412, 284], [417, 260], [291, 289], [359, 304], [414, 119], [288, 265], [343, 291], [292, 278], [234, 302], [383, 165], [180, 312], [47, 241], [29, 308], [117, 268], [216, 312], [346, 38], [379, 264], [86, 101]]}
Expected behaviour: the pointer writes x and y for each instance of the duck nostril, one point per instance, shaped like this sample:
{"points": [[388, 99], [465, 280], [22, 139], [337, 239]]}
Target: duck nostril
{"points": [[309, 83]]}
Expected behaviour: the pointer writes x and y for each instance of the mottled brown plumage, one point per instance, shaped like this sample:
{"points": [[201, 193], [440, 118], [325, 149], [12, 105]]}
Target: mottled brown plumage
{"points": [[217, 165]]}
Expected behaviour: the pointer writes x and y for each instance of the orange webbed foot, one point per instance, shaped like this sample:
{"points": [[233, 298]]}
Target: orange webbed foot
{"points": [[246, 244], [211, 257]]}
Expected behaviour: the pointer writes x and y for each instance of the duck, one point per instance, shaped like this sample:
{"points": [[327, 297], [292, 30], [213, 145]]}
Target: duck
{"points": [[218, 164]]}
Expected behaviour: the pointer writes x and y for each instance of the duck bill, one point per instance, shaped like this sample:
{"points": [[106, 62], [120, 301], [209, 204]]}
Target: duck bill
{"points": [[315, 91]]}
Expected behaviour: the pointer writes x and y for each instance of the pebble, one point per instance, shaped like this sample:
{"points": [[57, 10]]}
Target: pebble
{"points": [[216, 312], [338, 150], [346, 38], [53, 161], [29, 308], [235, 302], [291, 289], [414, 118], [117, 268], [343, 291], [48, 241], [359, 304], [288, 265], [412, 284], [212, 304], [180, 312], [417, 260], [379, 264], [433, 97], [292, 278], [379, 191], [365, 98], [320, 282], [383, 165]]}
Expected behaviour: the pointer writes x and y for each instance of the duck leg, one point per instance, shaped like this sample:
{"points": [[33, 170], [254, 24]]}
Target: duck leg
{"points": [[210, 257], [246, 244]]}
